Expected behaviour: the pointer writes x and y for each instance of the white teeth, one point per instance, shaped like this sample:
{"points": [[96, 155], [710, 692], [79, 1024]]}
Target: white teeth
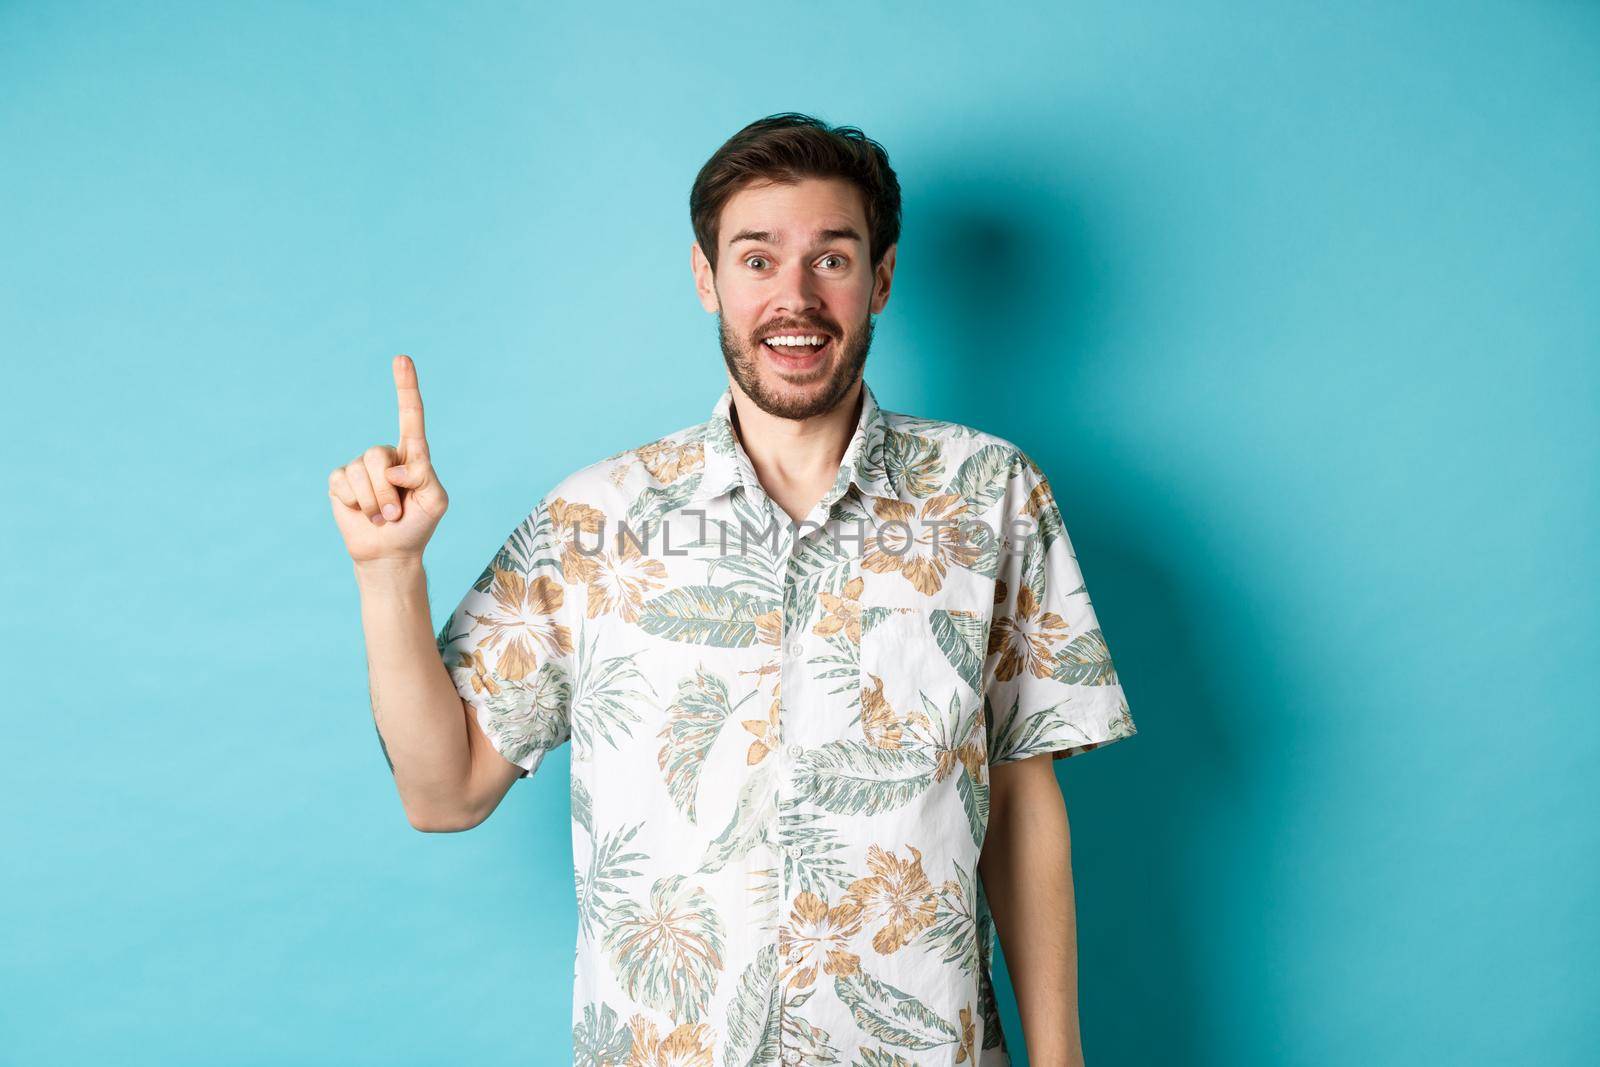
{"points": [[796, 339]]}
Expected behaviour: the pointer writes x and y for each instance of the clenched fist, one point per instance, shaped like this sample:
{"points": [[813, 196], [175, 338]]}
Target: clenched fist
{"points": [[387, 501]]}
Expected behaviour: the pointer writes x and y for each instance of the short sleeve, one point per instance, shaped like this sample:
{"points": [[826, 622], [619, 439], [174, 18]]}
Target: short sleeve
{"points": [[1049, 682], [508, 646]]}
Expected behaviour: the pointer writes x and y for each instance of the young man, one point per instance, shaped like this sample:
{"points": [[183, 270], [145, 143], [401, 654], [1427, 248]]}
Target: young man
{"points": [[815, 659]]}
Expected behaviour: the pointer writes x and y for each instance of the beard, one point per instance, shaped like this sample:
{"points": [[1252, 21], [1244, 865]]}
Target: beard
{"points": [[807, 398]]}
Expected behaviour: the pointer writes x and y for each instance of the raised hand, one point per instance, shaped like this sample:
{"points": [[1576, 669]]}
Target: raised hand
{"points": [[387, 501]]}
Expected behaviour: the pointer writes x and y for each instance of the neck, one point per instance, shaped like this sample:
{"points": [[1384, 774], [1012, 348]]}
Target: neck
{"points": [[796, 459]]}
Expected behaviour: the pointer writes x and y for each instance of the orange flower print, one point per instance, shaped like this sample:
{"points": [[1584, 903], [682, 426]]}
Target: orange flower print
{"points": [[1039, 498], [969, 754], [690, 1045], [482, 680], [818, 935], [922, 553], [669, 462], [964, 1053], [572, 525], [622, 579], [766, 731], [1027, 640], [769, 627], [878, 720], [843, 612], [522, 621], [899, 893], [969, 751]]}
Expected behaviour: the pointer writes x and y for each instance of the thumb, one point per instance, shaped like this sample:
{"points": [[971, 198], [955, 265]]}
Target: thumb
{"points": [[414, 475]]}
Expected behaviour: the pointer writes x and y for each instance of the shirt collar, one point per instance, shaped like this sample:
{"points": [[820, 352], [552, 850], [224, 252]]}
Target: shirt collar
{"points": [[728, 465]]}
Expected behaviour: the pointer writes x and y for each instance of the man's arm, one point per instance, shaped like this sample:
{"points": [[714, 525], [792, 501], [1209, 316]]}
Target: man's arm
{"points": [[386, 503], [1026, 867], [448, 774]]}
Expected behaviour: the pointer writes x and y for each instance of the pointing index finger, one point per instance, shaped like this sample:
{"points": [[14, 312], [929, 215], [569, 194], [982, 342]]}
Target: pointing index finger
{"points": [[413, 438]]}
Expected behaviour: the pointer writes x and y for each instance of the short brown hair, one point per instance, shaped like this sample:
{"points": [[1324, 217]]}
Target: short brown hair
{"points": [[785, 148]]}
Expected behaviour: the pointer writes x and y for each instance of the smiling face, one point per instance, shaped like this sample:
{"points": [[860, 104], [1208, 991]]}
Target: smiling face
{"points": [[792, 264]]}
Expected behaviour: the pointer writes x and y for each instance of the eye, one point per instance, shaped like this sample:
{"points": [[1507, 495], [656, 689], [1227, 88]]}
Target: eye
{"points": [[747, 260], [835, 255]]}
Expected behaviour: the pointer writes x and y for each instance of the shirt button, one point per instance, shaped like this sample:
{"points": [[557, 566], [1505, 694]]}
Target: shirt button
{"points": [[794, 648]]}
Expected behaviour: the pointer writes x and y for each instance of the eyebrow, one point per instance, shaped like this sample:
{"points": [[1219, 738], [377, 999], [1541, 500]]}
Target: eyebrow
{"points": [[847, 233]]}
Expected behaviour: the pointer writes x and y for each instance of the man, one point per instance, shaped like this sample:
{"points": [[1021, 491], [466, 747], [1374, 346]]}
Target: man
{"points": [[815, 659]]}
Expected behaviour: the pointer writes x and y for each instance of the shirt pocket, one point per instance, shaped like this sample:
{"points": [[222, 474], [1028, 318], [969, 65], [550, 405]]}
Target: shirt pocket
{"points": [[920, 674], [922, 708]]}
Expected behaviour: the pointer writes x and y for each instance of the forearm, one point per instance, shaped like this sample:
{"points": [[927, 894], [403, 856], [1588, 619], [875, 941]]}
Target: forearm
{"points": [[418, 713], [1026, 868]]}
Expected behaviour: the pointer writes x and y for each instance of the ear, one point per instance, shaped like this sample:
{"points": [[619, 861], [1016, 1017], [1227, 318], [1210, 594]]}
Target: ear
{"points": [[881, 277], [705, 282]]}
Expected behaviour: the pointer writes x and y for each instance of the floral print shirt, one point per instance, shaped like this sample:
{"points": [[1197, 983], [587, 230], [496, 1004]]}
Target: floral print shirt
{"points": [[782, 733]]}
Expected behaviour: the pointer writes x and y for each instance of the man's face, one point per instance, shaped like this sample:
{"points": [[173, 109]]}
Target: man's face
{"points": [[792, 261]]}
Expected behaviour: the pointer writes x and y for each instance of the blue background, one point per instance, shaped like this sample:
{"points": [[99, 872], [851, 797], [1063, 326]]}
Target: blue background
{"points": [[1295, 303]]}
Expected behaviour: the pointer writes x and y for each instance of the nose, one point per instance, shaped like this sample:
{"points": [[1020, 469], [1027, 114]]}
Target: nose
{"points": [[797, 289]]}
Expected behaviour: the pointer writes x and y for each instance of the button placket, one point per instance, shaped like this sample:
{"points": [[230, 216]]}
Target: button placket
{"points": [[786, 643]]}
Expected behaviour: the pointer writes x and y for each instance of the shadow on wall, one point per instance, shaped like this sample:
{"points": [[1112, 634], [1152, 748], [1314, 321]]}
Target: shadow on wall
{"points": [[1013, 280]]}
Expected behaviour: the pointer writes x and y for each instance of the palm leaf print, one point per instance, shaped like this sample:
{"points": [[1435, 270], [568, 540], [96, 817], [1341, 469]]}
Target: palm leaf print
{"points": [[705, 615], [955, 926], [843, 666], [1021, 736], [749, 549], [783, 1036], [855, 778], [600, 1039], [877, 1057], [890, 1015], [694, 720], [807, 841], [809, 1043], [753, 1014], [645, 513], [982, 477], [1085, 660], [1041, 504], [975, 802], [1037, 569], [961, 636], [1121, 724], [953, 431], [913, 463], [874, 615], [1036, 574], [764, 891], [957, 741], [718, 436], [582, 804], [608, 865], [988, 541], [993, 1034], [527, 549], [800, 608], [952, 734], [528, 715], [748, 826], [750, 577], [667, 954], [820, 562], [854, 511], [604, 701]]}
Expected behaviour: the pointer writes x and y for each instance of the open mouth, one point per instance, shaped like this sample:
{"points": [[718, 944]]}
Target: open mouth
{"points": [[796, 351]]}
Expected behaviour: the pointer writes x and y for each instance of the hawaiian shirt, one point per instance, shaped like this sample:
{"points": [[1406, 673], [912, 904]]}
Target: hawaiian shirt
{"points": [[782, 732]]}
